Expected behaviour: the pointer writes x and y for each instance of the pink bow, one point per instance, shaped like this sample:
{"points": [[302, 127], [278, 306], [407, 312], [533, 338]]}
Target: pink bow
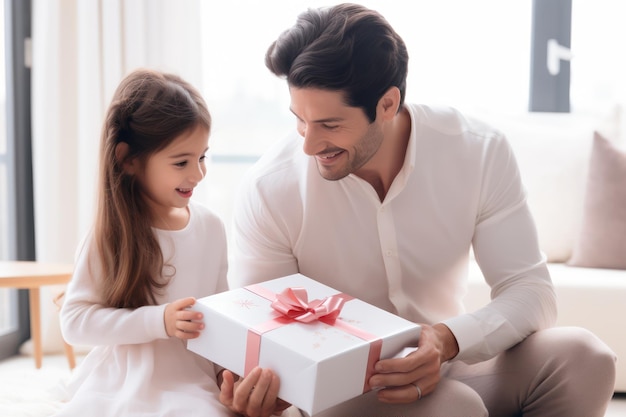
{"points": [[293, 303]]}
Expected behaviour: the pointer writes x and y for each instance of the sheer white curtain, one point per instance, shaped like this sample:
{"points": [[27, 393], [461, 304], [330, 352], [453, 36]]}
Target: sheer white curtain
{"points": [[81, 50]]}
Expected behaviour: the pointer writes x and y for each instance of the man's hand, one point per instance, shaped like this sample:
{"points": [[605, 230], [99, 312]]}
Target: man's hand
{"points": [[181, 322], [408, 379], [254, 396]]}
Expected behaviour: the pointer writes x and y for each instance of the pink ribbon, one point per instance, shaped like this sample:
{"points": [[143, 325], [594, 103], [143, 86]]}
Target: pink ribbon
{"points": [[293, 305]]}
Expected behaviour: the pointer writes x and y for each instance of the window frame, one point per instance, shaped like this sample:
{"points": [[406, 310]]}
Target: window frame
{"points": [[551, 22], [21, 225]]}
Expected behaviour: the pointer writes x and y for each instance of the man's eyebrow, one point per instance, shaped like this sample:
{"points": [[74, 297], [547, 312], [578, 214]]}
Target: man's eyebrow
{"points": [[326, 120]]}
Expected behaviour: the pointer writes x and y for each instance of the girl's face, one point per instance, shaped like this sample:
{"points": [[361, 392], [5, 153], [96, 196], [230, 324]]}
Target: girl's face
{"points": [[170, 175]]}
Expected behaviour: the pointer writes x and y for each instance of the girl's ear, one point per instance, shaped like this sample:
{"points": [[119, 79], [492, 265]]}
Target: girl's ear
{"points": [[121, 155]]}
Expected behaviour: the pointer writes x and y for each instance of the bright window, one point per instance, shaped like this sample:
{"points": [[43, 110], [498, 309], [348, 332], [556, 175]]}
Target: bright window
{"points": [[472, 55], [599, 62]]}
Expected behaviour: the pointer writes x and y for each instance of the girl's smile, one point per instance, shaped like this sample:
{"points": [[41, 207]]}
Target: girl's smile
{"points": [[185, 192]]}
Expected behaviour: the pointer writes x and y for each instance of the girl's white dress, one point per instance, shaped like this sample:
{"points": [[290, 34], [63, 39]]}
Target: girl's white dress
{"points": [[134, 368]]}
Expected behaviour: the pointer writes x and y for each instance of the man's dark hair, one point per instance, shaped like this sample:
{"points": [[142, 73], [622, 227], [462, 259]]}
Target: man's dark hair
{"points": [[346, 48]]}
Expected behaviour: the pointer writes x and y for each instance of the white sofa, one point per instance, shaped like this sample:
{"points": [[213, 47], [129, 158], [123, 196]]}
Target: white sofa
{"points": [[553, 153]]}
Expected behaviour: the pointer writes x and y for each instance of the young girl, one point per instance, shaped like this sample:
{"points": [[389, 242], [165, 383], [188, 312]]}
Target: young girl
{"points": [[150, 252]]}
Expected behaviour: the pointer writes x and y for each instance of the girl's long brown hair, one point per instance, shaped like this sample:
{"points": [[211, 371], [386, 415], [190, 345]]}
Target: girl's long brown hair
{"points": [[148, 111]]}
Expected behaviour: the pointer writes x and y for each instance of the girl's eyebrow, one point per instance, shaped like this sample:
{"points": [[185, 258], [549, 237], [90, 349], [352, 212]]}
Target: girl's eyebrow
{"points": [[186, 154]]}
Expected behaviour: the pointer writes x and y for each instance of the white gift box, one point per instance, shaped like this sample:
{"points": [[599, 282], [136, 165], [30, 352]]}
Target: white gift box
{"points": [[320, 363]]}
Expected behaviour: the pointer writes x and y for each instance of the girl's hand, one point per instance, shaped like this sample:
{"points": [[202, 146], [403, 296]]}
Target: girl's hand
{"points": [[182, 322]]}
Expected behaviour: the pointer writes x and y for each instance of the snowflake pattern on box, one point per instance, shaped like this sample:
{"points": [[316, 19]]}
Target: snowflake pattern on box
{"points": [[324, 333], [246, 304], [353, 322]]}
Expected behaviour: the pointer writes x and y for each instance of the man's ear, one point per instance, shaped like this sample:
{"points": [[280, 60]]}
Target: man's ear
{"points": [[121, 156], [389, 103]]}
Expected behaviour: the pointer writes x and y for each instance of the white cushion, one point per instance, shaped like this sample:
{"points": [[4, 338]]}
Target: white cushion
{"points": [[552, 150]]}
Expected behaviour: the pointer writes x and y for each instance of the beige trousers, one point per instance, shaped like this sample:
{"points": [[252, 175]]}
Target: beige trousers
{"points": [[562, 371]]}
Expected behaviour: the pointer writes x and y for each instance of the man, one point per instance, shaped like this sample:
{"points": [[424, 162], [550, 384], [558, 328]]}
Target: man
{"points": [[383, 200]]}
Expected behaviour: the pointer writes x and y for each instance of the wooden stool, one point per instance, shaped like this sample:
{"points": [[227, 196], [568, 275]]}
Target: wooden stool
{"points": [[32, 275]]}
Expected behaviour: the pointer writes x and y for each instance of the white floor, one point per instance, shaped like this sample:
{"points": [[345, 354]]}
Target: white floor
{"points": [[617, 408], [29, 392]]}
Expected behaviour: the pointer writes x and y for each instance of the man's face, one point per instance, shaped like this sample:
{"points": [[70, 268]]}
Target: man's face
{"points": [[339, 137]]}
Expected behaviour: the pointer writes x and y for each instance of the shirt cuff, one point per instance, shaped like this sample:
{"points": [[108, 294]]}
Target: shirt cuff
{"points": [[155, 322], [469, 337]]}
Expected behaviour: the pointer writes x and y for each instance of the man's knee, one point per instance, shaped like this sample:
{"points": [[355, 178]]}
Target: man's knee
{"points": [[586, 352], [578, 373], [576, 358]]}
